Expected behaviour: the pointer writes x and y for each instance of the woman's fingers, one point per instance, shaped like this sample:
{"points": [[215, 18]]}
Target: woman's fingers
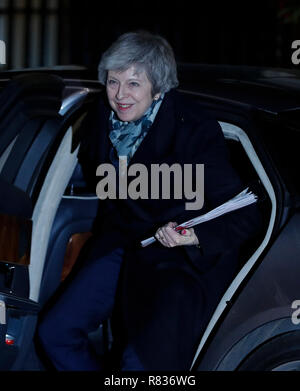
{"points": [[161, 235], [168, 237]]}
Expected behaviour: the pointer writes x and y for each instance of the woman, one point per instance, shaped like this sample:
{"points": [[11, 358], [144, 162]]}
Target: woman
{"points": [[162, 295]]}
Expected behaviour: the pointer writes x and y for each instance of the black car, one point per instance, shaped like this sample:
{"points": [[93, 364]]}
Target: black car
{"points": [[47, 210]]}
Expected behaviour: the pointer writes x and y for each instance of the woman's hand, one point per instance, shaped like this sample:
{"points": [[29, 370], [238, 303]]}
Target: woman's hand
{"points": [[168, 237]]}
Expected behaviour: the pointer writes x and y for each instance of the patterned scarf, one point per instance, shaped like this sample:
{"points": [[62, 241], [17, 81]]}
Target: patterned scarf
{"points": [[127, 136]]}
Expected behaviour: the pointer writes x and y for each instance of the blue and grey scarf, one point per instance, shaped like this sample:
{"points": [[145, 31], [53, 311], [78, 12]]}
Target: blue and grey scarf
{"points": [[127, 136]]}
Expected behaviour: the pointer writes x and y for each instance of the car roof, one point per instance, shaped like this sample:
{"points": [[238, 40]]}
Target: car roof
{"points": [[270, 89]]}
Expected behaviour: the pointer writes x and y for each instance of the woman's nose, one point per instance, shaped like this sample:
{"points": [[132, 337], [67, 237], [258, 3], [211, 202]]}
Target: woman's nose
{"points": [[121, 93]]}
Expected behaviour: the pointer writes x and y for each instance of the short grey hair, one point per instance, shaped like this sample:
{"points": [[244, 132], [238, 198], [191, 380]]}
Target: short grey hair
{"points": [[146, 52]]}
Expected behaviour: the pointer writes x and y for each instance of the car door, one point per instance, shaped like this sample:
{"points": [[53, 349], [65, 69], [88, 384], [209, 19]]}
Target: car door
{"points": [[18, 313], [35, 168], [249, 301], [29, 126]]}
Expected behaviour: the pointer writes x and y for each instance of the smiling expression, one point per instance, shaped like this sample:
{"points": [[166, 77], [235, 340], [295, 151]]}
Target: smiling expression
{"points": [[129, 93]]}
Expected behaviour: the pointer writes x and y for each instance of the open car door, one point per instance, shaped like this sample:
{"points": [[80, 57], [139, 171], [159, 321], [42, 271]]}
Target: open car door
{"points": [[18, 314], [39, 141]]}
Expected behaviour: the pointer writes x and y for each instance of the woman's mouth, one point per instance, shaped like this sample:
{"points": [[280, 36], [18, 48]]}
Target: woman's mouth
{"points": [[123, 107]]}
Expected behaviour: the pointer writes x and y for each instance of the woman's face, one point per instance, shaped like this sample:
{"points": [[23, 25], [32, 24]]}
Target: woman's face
{"points": [[129, 93]]}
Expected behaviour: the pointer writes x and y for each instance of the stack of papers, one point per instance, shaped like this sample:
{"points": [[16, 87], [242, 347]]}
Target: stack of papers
{"points": [[244, 198]]}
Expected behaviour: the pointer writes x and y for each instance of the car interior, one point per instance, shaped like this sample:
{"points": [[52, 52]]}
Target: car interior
{"points": [[39, 141]]}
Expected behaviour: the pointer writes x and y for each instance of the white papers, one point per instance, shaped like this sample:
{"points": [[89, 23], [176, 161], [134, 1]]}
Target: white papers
{"points": [[239, 201]]}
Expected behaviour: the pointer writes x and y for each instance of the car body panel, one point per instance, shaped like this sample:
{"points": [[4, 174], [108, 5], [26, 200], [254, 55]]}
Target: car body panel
{"points": [[266, 297]]}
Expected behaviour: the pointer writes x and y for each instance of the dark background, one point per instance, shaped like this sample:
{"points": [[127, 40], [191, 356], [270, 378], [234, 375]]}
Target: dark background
{"points": [[258, 33]]}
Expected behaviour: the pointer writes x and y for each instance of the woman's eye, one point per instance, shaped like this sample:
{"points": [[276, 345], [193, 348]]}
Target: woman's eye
{"points": [[111, 82], [134, 84]]}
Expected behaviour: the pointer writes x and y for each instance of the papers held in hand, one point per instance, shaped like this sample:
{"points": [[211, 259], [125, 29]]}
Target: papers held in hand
{"points": [[239, 201]]}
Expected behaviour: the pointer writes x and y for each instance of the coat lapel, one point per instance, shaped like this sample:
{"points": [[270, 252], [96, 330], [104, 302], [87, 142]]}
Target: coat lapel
{"points": [[158, 139]]}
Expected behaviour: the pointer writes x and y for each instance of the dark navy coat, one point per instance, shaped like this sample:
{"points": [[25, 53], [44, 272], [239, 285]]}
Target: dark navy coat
{"points": [[166, 296]]}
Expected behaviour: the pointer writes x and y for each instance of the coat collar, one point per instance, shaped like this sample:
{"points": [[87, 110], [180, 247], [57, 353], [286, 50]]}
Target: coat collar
{"points": [[159, 138]]}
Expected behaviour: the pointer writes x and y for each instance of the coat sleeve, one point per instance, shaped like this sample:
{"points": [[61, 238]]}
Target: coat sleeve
{"points": [[221, 182]]}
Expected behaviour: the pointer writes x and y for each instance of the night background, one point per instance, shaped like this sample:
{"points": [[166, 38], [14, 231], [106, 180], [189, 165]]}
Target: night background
{"points": [[63, 32]]}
